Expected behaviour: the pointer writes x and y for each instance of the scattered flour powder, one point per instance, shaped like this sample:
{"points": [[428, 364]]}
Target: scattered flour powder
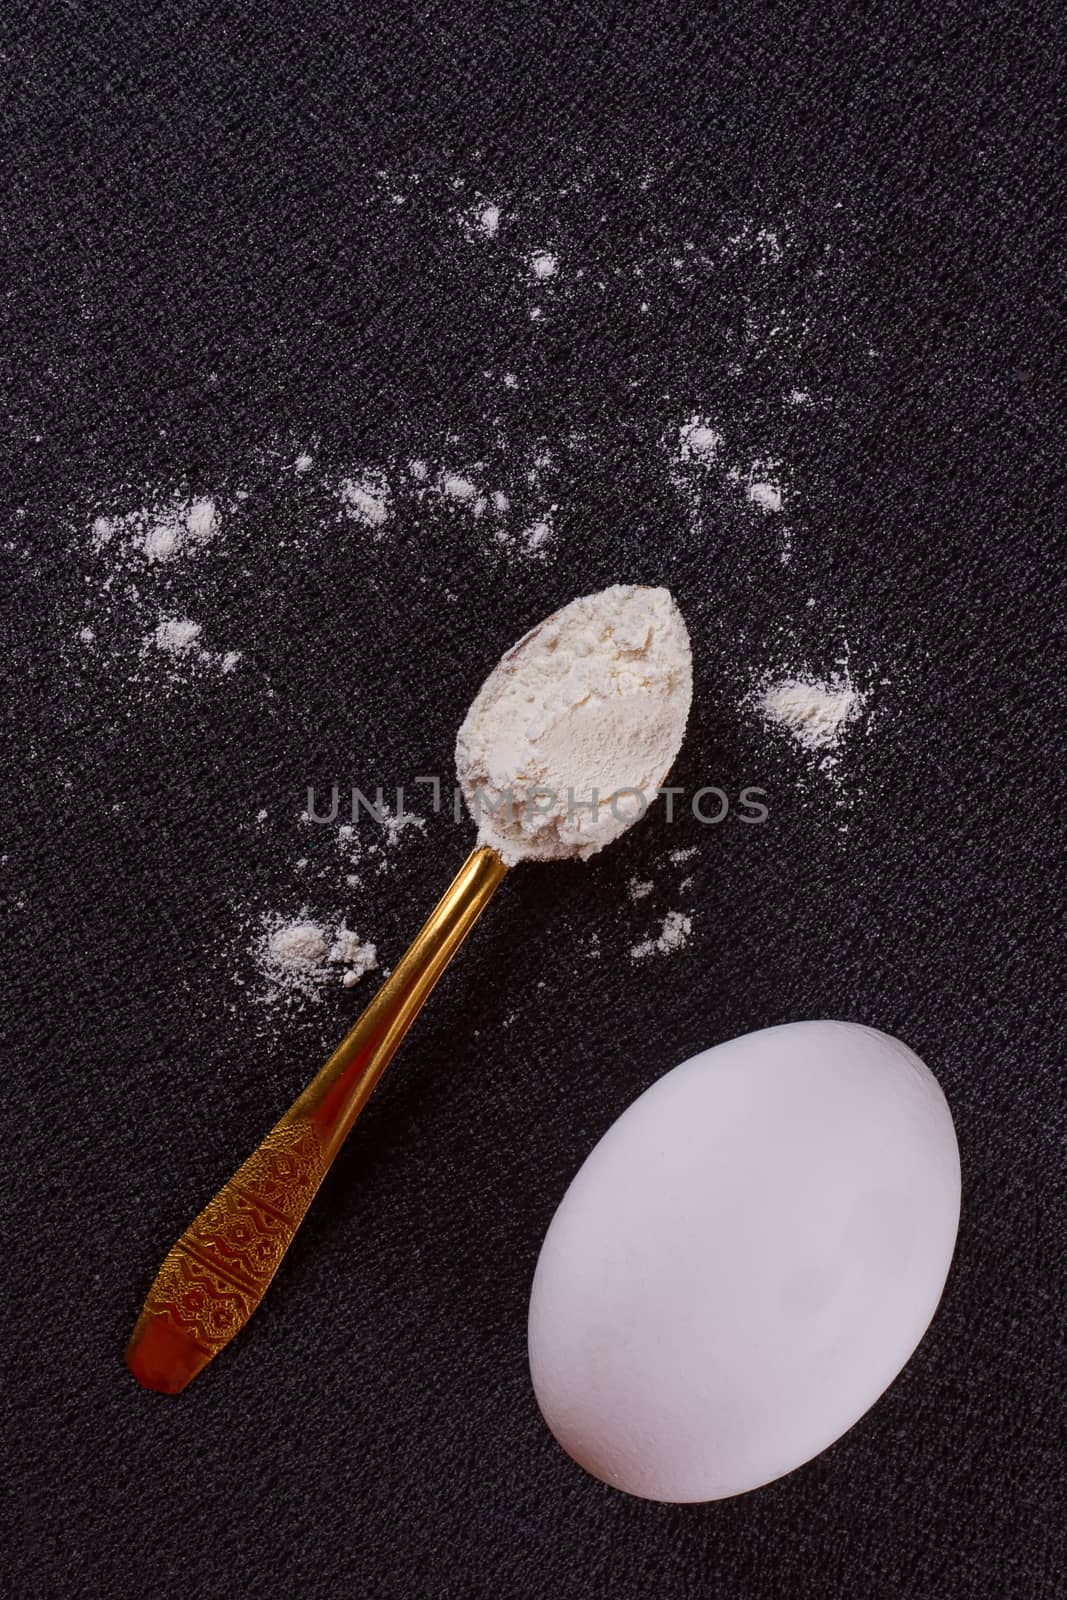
{"points": [[366, 499], [141, 559], [813, 712], [698, 440], [176, 528], [766, 496], [178, 636], [537, 535], [299, 958], [456, 487], [175, 635], [544, 264], [489, 221], [699, 449], [482, 221], [674, 935]]}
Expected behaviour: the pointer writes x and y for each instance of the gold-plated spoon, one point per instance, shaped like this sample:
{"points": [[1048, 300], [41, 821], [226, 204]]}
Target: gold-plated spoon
{"points": [[215, 1276]]}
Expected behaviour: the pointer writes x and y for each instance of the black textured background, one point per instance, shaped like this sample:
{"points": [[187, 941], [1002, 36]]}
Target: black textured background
{"points": [[206, 269]]}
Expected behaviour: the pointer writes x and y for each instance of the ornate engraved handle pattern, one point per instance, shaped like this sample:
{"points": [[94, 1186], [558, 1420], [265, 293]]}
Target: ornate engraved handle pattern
{"points": [[215, 1276]]}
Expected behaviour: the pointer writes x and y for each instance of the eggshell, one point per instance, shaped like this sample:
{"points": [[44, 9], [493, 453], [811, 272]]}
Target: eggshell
{"points": [[745, 1261]]}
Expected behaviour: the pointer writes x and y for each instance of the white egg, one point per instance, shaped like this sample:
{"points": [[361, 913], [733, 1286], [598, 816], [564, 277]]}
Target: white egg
{"points": [[745, 1261]]}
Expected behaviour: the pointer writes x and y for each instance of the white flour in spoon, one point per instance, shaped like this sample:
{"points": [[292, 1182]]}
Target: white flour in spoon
{"points": [[587, 710]]}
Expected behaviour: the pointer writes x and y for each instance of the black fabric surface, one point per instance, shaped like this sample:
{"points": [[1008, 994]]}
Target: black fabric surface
{"points": [[230, 234]]}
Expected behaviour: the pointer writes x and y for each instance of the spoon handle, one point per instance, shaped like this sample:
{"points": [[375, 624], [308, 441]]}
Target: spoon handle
{"points": [[215, 1276]]}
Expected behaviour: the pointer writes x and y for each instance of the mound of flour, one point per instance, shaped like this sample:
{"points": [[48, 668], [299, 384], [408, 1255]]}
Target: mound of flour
{"points": [[299, 957], [573, 732], [814, 712]]}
